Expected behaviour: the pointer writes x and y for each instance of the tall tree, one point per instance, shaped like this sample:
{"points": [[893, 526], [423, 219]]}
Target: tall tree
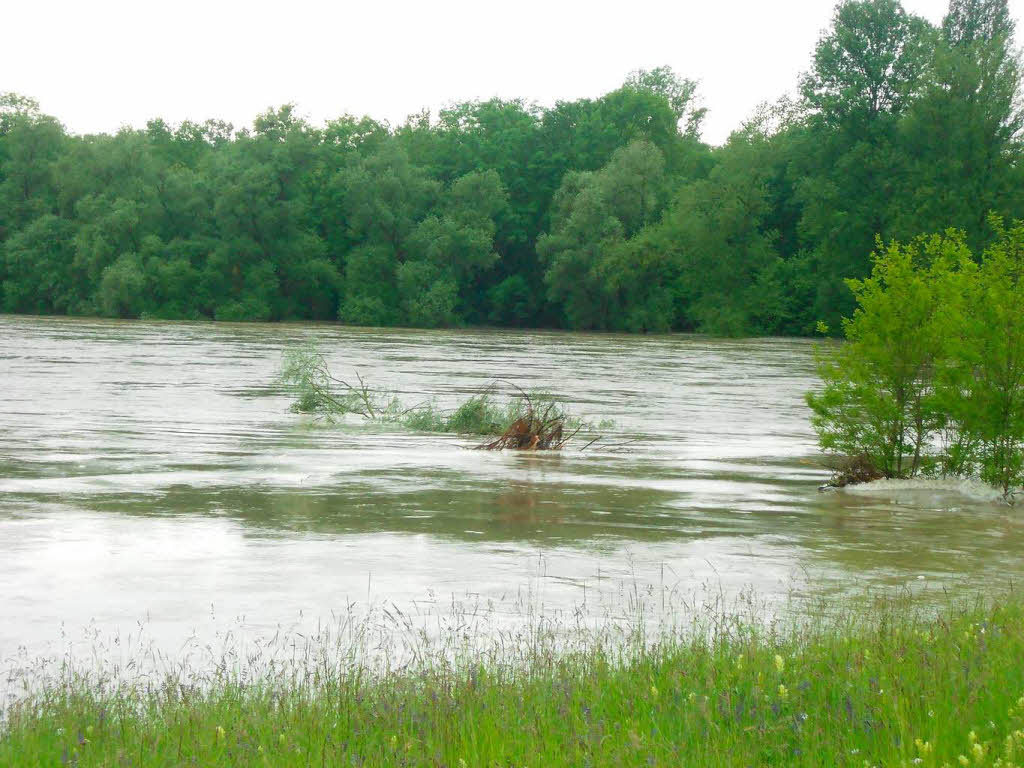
{"points": [[595, 215], [961, 136], [867, 69], [869, 64]]}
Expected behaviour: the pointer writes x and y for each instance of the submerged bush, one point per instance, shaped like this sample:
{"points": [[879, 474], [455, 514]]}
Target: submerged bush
{"points": [[319, 392], [931, 377], [316, 391], [879, 398], [993, 392], [479, 415]]}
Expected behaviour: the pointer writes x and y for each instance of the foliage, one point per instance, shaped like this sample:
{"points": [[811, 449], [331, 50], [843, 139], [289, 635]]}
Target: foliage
{"points": [[868, 64], [884, 684], [992, 413], [588, 261], [604, 213], [879, 387], [304, 369], [317, 391], [931, 377]]}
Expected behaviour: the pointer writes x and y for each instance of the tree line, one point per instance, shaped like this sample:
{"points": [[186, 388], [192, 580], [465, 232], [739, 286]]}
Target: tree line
{"points": [[607, 214]]}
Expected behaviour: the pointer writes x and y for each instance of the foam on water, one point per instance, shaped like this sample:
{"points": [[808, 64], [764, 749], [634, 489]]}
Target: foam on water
{"points": [[972, 488]]}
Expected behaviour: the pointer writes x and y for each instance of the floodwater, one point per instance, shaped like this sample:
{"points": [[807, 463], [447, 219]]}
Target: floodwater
{"points": [[152, 473]]}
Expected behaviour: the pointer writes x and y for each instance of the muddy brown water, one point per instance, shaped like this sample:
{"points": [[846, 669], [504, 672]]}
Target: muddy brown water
{"points": [[152, 472]]}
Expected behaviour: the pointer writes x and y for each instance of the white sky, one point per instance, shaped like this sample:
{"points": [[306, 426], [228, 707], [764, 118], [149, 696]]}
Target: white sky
{"points": [[100, 64]]}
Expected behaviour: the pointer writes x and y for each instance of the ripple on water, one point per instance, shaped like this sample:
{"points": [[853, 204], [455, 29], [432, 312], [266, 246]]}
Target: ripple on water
{"points": [[153, 469]]}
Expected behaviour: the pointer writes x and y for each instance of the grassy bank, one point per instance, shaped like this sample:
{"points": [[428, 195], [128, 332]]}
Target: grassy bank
{"points": [[885, 686]]}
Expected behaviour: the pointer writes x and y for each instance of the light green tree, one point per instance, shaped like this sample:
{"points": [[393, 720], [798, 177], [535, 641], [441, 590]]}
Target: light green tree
{"points": [[879, 388], [992, 411]]}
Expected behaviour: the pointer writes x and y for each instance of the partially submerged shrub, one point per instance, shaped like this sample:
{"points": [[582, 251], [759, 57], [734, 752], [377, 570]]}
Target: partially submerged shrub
{"points": [[879, 394], [540, 424], [479, 415], [993, 392], [317, 391], [305, 371], [931, 377], [536, 421]]}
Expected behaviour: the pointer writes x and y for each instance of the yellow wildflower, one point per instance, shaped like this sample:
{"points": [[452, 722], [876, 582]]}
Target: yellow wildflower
{"points": [[220, 733], [783, 692], [779, 663]]}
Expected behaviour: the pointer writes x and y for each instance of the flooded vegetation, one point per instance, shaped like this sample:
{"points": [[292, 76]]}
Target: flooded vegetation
{"points": [[931, 379], [151, 471], [526, 422], [197, 571], [236, 532]]}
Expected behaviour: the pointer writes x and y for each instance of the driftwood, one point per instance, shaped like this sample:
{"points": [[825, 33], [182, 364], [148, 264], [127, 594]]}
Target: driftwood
{"points": [[852, 470], [534, 431]]}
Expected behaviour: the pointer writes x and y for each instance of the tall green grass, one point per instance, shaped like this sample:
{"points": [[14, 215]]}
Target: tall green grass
{"points": [[888, 685]]}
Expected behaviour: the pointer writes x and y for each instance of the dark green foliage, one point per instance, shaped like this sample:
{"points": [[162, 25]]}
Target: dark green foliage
{"points": [[590, 268], [607, 213]]}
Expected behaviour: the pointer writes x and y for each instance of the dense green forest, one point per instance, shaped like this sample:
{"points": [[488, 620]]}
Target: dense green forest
{"points": [[607, 213]]}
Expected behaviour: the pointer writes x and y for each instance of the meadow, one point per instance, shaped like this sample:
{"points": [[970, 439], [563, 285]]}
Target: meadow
{"points": [[877, 682]]}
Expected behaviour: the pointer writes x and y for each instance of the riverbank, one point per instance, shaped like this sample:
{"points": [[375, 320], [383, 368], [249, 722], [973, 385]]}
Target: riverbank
{"points": [[885, 684]]}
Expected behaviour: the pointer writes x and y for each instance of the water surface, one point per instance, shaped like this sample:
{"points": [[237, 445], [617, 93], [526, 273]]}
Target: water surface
{"points": [[152, 472]]}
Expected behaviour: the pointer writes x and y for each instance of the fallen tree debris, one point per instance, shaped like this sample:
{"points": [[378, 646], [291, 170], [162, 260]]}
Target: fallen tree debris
{"points": [[852, 470], [522, 422], [534, 430]]}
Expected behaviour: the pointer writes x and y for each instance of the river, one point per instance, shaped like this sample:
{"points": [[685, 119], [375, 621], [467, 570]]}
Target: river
{"points": [[151, 474]]}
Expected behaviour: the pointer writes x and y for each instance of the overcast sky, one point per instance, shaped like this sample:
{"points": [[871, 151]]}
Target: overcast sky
{"points": [[100, 64]]}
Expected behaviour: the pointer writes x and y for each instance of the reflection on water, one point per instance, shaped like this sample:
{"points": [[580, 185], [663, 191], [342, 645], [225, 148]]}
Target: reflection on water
{"points": [[149, 471]]}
